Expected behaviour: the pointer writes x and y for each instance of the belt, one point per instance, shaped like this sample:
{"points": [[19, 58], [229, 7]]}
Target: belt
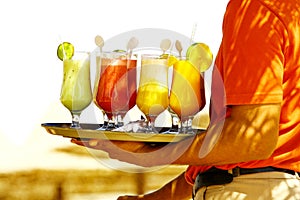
{"points": [[215, 176]]}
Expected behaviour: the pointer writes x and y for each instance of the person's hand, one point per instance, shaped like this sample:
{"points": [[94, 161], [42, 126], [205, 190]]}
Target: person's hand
{"points": [[138, 153]]}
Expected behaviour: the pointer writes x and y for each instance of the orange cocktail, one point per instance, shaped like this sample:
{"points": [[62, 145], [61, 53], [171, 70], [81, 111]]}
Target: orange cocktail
{"points": [[116, 86]]}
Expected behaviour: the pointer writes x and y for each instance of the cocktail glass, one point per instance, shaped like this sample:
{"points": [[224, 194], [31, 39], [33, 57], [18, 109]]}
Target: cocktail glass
{"points": [[76, 93], [152, 97], [187, 96], [115, 91]]}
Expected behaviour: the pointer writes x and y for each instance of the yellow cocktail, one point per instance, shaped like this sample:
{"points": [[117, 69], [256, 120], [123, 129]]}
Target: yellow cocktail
{"points": [[187, 95], [153, 93]]}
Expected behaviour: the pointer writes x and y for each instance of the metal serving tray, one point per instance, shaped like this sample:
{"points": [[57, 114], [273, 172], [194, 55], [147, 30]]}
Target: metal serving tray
{"points": [[90, 131]]}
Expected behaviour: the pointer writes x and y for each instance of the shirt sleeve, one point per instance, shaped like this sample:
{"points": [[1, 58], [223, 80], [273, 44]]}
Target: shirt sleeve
{"points": [[252, 54]]}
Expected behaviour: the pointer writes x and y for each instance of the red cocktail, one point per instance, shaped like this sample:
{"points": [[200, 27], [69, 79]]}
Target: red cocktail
{"points": [[116, 86]]}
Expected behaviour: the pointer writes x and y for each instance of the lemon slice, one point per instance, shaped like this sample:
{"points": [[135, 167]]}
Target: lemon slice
{"points": [[65, 51], [200, 56], [171, 59]]}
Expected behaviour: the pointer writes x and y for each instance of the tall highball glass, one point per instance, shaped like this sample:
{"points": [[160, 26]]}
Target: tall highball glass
{"points": [[115, 90], [152, 97], [187, 96], [76, 93]]}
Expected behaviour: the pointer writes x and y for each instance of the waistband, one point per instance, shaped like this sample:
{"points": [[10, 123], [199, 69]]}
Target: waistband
{"points": [[215, 176]]}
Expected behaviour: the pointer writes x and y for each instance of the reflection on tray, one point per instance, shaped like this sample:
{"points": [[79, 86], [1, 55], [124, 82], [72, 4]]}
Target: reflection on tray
{"points": [[91, 131]]}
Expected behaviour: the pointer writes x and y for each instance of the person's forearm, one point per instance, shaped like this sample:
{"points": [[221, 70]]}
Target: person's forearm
{"points": [[247, 138], [177, 189]]}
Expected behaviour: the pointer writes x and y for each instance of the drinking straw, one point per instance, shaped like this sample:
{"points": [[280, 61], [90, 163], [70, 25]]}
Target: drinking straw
{"points": [[193, 33]]}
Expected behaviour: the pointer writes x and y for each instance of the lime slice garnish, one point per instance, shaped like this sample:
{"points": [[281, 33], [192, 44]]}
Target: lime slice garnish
{"points": [[171, 59], [200, 56], [65, 51]]}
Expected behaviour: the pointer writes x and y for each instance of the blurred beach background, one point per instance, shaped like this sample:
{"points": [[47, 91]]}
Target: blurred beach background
{"points": [[37, 165]]}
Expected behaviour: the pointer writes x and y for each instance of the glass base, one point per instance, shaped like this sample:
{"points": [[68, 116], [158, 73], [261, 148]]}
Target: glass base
{"points": [[108, 123], [149, 125], [75, 120], [186, 126]]}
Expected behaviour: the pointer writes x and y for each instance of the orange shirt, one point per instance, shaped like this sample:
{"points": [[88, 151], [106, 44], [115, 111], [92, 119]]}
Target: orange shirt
{"points": [[259, 63]]}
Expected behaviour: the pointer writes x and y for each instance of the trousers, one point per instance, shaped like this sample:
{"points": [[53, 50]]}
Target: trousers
{"points": [[258, 186]]}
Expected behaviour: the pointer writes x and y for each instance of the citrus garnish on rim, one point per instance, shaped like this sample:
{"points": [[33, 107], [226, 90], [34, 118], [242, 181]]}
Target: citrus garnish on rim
{"points": [[171, 59], [65, 51], [200, 56]]}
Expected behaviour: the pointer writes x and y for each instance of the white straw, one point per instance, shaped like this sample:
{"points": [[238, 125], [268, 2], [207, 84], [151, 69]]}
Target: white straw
{"points": [[193, 33]]}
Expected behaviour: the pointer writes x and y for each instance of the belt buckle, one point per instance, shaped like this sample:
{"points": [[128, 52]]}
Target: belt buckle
{"points": [[235, 171], [195, 187]]}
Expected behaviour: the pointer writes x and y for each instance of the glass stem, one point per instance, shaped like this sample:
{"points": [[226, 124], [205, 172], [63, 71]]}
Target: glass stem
{"points": [[151, 124], [111, 123], [105, 121], [175, 123], [186, 125], [120, 121], [75, 120]]}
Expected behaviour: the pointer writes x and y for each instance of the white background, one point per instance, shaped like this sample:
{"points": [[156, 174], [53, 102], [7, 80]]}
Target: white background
{"points": [[31, 30]]}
